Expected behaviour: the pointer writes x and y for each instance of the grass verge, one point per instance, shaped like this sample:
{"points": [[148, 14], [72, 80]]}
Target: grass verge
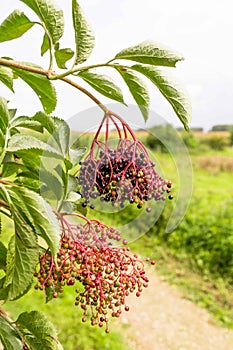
{"points": [[216, 295]]}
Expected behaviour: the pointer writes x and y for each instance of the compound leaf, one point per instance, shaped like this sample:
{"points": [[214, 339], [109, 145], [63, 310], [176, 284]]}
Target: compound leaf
{"points": [[15, 25], [84, 37], [150, 53], [171, 90], [50, 15], [137, 88], [102, 84]]}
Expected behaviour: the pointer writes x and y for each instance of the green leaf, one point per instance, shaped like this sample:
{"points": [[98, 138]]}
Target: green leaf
{"points": [[171, 90], [11, 168], [41, 86], [3, 254], [49, 293], [80, 209], [22, 256], [50, 15], [12, 113], [29, 174], [102, 84], [2, 139], [8, 335], [57, 128], [72, 184], [53, 183], [73, 197], [150, 53], [45, 44], [62, 56], [31, 184], [84, 37], [15, 25], [77, 154], [26, 159], [28, 123], [4, 122], [38, 331], [3, 291], [4, 115], [6, 77], [21, 142], [137, 88], [38, 214]]}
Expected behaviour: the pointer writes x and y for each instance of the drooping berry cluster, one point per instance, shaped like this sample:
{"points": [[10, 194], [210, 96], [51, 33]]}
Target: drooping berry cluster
{"points": [[120, 175], [107, 274]]}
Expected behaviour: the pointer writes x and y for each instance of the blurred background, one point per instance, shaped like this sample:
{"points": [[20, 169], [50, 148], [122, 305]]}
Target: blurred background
{"points": [[196, 256]]}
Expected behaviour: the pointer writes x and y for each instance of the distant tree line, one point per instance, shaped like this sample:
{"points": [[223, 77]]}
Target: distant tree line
{"points": [[193, 129], [222, 127], [163, 137]]}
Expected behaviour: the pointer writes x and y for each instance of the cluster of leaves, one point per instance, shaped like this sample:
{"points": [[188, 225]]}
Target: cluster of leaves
{"points": [[25, 175], [37, 162], [148, 55]]}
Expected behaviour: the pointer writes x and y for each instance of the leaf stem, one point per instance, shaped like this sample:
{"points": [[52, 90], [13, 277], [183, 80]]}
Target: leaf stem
{"points": [[51, 49], [86, 92], [80, 69], [51, 75]]}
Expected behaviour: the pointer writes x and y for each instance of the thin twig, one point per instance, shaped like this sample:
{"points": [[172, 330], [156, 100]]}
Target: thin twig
{"points": [[51, 75]]}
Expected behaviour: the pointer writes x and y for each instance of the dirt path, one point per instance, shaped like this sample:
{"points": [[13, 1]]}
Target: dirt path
{"points": [[161, 319]]}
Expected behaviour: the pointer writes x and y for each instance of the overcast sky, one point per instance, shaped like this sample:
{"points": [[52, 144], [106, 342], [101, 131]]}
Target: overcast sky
{"points": [[201, 30]]}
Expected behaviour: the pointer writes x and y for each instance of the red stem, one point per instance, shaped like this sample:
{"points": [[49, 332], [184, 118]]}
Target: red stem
{"points": [[116, 126], [107, 133], [96, 135], [125, 125]]}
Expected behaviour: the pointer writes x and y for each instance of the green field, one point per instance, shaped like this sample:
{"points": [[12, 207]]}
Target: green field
{"points": [[197, 256]]}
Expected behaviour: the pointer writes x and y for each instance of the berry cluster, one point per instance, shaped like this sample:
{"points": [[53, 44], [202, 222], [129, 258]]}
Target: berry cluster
{"points": [[107, 274], [120, 175]]}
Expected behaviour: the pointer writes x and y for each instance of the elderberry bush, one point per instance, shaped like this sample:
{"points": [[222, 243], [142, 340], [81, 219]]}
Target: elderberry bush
{"points": [[121, 175], [105, 275]]}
